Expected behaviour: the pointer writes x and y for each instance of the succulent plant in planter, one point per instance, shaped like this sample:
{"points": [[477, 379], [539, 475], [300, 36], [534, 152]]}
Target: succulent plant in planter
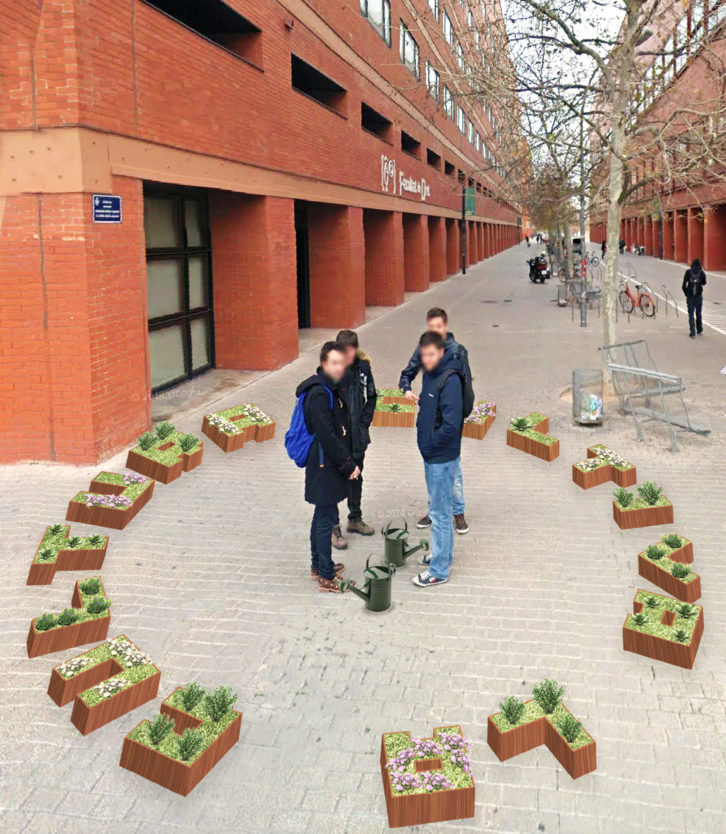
{"points": [[59, 551], [146, 441], [668, 630], [530, 434], [165, 454], [163, 430], [649, 507], [657, 563]]}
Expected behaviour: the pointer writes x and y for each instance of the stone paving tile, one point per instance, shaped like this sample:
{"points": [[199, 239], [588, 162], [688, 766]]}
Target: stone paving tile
{"points": [[211, 580]]}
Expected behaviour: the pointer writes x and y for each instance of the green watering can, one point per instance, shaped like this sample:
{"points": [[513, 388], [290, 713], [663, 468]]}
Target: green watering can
{"points": [[377, 588], [396, 539]]}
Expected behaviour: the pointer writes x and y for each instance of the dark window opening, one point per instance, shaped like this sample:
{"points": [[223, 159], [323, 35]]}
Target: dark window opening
{"points": [[218, 23], [460, 175], [449, 168], [471, 182], [433, 159], [311, 82], [410, 145], [372, 121]]}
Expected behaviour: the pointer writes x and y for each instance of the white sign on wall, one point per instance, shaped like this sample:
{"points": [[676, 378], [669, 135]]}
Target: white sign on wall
{"points": [[395, 181]]}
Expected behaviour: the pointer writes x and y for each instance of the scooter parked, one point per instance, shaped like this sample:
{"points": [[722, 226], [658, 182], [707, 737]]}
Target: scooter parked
{"points": [[539, 271]]}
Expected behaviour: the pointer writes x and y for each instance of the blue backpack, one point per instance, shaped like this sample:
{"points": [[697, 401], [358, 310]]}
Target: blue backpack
{"points": [[298, 438]]}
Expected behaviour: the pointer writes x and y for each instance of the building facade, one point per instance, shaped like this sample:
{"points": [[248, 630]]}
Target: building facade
{"points": [[184, 185]]}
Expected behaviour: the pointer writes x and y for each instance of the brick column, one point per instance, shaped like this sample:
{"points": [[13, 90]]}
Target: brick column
{"points": [[680, 236], [695, 235], [384, 264], [668, 236], [453, 246], [480, 230], [437, 248], [648, 235], [715, 237], [416, 256]]}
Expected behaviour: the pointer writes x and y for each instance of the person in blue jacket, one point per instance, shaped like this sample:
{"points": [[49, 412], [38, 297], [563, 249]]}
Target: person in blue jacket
{"points": [[438, 430]]}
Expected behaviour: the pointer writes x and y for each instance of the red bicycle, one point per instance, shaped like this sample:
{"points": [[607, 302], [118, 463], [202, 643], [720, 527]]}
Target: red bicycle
{"points": [[639, 296]]}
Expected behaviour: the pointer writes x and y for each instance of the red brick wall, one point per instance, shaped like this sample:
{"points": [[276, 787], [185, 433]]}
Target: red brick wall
{"points": [[384, 258], [416, 252], [437, 248]]}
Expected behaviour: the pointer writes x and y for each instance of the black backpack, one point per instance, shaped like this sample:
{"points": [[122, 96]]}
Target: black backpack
{"points": [[467, 390]]}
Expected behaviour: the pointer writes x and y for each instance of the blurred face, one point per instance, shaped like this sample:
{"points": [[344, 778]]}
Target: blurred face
{"points": [[431, 356], [350, 353], [334, 365], [438, 325]]}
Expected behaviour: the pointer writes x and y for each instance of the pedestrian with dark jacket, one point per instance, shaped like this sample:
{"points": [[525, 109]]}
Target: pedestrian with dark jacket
{"points": [[694, 281], [330, 466], [437, 321], [358, 391], [438, 431]]}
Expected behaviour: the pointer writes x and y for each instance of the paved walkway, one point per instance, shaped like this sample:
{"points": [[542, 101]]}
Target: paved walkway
{"points": [[211, 579]]}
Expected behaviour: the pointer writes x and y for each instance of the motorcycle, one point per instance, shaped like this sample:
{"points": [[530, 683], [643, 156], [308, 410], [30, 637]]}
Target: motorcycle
{"points": [[539, 271]]}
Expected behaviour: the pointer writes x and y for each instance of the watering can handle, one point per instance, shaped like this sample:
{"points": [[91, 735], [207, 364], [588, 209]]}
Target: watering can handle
{"points": [[402, 531], [391, 568]]}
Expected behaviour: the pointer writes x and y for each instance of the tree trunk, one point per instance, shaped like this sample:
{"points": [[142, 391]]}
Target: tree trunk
{"points": [[615, 190]]}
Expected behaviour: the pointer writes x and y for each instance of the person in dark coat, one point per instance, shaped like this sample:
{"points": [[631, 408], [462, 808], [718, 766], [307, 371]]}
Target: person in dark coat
{"points": [[694, 281], [358, 390], [330, 466], [438, 432]]}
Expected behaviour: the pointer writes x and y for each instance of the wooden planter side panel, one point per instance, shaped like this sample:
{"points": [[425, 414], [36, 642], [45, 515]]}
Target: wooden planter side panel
{"points": [[658, 648], [684, 591], [63, 690], [226, 442], [543, 451], [478, 431], [642, 517], [394, 419], [576, 762], [87, 719], [517, 740], [112, 517], [264, 432], [67, 637], [683, 554]]}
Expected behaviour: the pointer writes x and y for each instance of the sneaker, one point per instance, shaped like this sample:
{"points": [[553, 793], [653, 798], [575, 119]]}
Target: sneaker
{"points": [[460, 524], [424, 522], [330, 586], [425, 560], [338, 540], [425, 580], [357, 525], [339, 568]]}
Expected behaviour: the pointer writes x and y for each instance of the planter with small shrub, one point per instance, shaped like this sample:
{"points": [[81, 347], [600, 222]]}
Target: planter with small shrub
{"points": [[59, 551], [231, 428], [194, 730], [530, 434], [112, 500], [165, 453], [386, 396], [648, 508], [481, 419], [602, 465], [657, 565], [394, 414], [524, 725], [428, 779], [663, 629], [86, 621]]}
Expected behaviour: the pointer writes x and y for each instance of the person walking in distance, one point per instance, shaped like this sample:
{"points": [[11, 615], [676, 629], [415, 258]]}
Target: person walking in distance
{"points": [[693, 283], [438, 432], [358, 391], [437, 321], [330, 466]]}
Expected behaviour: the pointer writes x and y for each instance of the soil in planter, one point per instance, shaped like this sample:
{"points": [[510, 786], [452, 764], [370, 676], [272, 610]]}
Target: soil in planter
{"points": [[127, 495], [55, 553]]}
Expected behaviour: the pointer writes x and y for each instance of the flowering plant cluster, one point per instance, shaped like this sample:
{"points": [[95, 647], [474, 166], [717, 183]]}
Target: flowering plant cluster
{"points": [[127, 653], [134, 478], [110, 687], [73, 666], [451, 746], [222, 424], [95, 499], [255, 414], [480, 412], [457, 748]]}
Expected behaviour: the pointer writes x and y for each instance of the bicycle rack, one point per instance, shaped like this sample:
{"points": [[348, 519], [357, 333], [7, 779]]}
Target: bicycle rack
{"points": [[669, 299]]}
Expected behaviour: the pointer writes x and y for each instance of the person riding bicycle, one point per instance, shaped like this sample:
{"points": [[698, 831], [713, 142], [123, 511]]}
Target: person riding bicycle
{"points": [[694, 281]]}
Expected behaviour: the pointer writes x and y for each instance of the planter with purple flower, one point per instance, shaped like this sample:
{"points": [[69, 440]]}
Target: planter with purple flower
{"points": [[478, 423], [428, 779], [112, 500]]}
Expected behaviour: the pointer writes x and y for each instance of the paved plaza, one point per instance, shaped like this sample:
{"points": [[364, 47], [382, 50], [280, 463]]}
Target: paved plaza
{"points": [[212, 580]]}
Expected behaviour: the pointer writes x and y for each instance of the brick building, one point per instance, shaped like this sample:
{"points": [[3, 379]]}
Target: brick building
{"points": [[273, 166]]}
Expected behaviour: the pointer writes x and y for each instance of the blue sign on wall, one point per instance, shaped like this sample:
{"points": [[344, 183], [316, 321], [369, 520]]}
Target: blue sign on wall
{"points": [[106, 208]]}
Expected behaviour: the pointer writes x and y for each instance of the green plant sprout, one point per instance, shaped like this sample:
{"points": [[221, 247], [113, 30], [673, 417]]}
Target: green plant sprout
{"points": [[548, 694], [512, 708], [623, 497], [650, 492]]}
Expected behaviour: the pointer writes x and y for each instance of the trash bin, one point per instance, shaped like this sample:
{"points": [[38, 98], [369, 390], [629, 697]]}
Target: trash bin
{"points": [[587, 390]]}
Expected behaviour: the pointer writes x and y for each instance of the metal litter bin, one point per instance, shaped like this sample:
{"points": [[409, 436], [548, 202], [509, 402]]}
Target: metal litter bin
{"points": [[587, 392]]}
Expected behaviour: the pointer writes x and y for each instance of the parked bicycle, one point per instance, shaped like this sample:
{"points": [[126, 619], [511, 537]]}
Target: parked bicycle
{"points": [[639, 295], [592, 259]]}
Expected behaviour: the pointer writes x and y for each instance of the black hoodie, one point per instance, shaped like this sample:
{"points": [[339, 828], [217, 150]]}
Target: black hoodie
{"points": [[693, 282]]}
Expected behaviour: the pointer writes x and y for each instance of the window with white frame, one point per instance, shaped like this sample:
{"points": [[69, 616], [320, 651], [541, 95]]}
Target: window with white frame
{"points": [[461, 119], [409, 50], [434, 6], [378, 13], [477, 141], [470, 131], [448, 102], [433, 81], [448, 28], [470, 19], [460, 55]]}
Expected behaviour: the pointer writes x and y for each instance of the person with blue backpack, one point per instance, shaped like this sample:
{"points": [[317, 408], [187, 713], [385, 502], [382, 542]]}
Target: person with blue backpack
{"points": [[438, 432], [319, 440]]}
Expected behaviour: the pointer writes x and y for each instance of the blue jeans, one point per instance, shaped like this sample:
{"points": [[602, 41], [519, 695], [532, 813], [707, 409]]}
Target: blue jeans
{"points": [[440, 479], [324, 519], [695, 308], [459, 505]]}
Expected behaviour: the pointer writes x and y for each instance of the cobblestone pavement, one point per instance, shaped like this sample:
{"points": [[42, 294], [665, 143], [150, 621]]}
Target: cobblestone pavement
{"points": [[211, 579]]}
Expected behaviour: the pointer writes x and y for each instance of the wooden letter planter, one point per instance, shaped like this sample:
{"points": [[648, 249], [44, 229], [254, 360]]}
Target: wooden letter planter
{"points": [[104, 683], [59, 551], [428, 779], [86, 622], [112, 500], [179, 751], [664, 629], [481, 419], [530, 434], [394, 414], [651, 507], [603, 465], [165, 453], [232, 428], [658, 565], [530, 726], [387, 396]]}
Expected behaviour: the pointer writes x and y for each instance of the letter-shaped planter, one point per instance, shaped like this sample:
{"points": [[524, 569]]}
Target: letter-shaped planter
{"points": [[112, 500], [56, 553], [386, 396], [232, 428], [640, 514], [165, 460], [162, 764], [665, 633], [603, 465], [481, 419], [534, 439], [658, 565]]}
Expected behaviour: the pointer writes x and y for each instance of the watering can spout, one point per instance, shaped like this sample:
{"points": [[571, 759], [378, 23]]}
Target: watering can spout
{"points": [[376, 592], [349, 585]]}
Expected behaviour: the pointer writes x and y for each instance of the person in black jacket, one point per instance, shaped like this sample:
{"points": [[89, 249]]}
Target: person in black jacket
{"points": [[693, 283], [359, 394], [330, 466]]}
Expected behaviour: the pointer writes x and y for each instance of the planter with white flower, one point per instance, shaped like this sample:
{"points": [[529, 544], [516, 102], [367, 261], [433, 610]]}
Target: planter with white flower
{"points": [[663, 629], [657, 565], [231, 428], [481, 419], [602, 465], [165, 453], [427, 780], [649, 508], [398, 415], [112, 500], [104, 683], [530, 434], [181, 745], [60, 551]]}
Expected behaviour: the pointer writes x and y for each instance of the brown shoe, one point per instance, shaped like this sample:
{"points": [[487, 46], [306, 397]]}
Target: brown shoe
{"points": [[359, 526], [339, 568], [330, 586], [338, 540], [460, 524]]}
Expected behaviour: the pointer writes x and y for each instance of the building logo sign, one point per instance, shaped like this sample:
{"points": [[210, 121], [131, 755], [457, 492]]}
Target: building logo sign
{"points": [[395, 182]]}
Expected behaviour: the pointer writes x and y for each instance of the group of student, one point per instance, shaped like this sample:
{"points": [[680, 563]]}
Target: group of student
{"points": [[338, 402]]}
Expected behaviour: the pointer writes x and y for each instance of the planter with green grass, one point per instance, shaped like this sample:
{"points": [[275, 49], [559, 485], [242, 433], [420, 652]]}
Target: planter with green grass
{"points": [[104, 683], [231, 428], [394, 414], [481, 419], [386, 396], [165, 453], [427, 780], [524, 725], [663, 629], [530, 434], [59, 551], [86, 621], [657, 565], [602, 465], [194, 730], [112, 500], [648, 508]]}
